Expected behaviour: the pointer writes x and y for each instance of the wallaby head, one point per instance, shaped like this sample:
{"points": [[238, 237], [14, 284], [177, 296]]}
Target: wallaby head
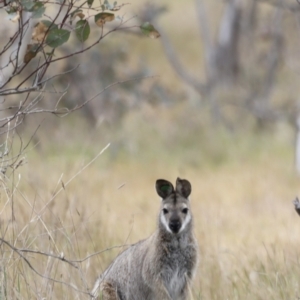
{"points": [[175, 216]]}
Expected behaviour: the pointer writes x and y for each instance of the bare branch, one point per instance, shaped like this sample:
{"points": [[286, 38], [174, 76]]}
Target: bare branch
{"points": [[15, 81], [19, 252], [102, 36], [72, 262], [178, 67], [36, 87], [71, 179], [106, 88]]}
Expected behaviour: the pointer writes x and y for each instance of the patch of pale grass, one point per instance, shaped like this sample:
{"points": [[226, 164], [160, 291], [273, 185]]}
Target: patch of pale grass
{"points": [[247, 229]]}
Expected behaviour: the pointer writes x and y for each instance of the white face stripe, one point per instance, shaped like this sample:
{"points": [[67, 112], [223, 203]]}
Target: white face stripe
{"points": [[185, 222], [164, 222]]}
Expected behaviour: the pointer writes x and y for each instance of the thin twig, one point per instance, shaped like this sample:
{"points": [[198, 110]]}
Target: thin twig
{"points": [[19, 252], [71, 179]]}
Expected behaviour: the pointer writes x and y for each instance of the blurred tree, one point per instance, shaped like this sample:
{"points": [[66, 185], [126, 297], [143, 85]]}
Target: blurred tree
{"points": [[243, 61], [115, 102], [237, 70]]}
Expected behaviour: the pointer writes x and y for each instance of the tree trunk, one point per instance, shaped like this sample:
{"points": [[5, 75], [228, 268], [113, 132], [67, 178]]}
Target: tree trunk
{"points": [[13, 56]]}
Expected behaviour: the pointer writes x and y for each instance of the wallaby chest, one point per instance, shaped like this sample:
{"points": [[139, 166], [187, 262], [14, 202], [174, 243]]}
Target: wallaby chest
{"points": [[178, 261]]}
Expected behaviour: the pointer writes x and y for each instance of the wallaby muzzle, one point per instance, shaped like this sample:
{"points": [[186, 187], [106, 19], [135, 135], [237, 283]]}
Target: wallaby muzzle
{"points": [[175, 225]]}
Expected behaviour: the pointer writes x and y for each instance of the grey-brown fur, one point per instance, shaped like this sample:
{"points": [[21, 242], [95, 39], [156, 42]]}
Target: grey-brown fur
{"points": [[161, 266]]}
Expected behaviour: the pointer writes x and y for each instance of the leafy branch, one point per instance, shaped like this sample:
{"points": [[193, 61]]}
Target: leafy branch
{"points": [[37, 44]]}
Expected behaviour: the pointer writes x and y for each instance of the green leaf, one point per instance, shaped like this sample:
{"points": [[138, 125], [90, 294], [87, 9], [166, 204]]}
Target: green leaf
{"points": [[76, 13], [82, 30], [47, 23], [38, 10], [34, 47], [27, 4], [13, 16], [11, 9], [102, 18], [116, 7], [50, 24], [149, 30], [56, 37], [90, 2]]}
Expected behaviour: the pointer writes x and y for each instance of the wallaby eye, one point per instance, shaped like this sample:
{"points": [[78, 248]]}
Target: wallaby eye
{"points": [[165, 211], [185, 211]]}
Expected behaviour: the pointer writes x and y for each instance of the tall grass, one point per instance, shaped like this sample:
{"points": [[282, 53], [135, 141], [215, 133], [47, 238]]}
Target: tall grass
{"points": [[243, 187]]}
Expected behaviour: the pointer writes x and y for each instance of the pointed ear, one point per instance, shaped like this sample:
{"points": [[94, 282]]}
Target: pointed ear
{"points": [[183, 187], [164, 188]]}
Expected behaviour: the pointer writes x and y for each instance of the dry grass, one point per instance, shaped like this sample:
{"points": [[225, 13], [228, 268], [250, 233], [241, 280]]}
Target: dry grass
{"points": [[243, 187]]}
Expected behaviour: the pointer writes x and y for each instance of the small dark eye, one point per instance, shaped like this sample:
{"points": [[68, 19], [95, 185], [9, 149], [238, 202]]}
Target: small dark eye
{"points": [[165, 211], [185, 211]]}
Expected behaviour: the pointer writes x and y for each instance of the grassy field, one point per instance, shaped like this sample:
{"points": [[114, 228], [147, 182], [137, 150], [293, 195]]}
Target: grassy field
{"points": [[59, 204], [66, 211]]}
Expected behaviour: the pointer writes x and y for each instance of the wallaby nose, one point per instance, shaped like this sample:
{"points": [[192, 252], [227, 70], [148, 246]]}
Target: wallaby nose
{"points": [[175, 225]]}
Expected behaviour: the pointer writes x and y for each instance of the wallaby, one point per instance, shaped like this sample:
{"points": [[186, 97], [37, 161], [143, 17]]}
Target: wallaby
{"points": [[161, 266]]}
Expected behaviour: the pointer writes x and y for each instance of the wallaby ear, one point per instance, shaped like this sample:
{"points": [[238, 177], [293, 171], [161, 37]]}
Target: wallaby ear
{"points": [[183, 187], [164, 188]]}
